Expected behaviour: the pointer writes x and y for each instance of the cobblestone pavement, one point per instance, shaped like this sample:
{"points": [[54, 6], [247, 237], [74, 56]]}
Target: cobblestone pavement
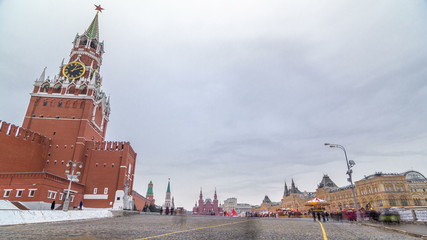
{"points": [[194, 227]]}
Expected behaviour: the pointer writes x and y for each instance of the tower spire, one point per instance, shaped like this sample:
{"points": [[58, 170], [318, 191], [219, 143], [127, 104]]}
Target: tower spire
{"points": [[93, 30]]}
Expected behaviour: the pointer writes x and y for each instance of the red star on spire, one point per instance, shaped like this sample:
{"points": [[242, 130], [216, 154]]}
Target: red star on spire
{"points": [[98, 8]]}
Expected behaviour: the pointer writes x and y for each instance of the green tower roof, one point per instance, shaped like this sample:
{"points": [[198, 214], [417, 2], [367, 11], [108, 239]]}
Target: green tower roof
{"points": [[93, 29], [150, 189], [169, 187]]}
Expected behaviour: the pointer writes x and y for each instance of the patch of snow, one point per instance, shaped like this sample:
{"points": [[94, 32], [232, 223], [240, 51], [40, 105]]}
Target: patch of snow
{"points": [[11, 217], [5, 204]]}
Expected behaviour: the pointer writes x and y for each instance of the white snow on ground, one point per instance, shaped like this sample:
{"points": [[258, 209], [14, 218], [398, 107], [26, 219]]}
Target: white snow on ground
{"points": [[4, 204], [10, 217]]}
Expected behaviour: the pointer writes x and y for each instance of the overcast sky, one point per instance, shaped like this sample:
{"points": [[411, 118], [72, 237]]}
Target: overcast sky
{"points": [[240, 95]]}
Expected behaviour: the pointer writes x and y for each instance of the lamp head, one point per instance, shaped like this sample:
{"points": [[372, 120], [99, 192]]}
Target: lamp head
{"points": [[327, 144]]}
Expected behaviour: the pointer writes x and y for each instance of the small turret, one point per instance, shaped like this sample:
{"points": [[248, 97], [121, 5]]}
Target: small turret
{"points": [[43, 75]]}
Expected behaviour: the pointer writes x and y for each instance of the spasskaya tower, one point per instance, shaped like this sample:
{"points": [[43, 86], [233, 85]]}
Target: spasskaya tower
{"points": [[71, 108], [66, 121]]}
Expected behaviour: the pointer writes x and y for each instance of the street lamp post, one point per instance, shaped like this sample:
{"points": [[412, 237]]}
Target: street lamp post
{"points": [[73, 178], [350, 164]]}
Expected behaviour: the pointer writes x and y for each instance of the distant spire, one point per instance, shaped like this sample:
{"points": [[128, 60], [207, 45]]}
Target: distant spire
{"points": [[201, 194], [215, 196], [293, 189], [286, 193]]}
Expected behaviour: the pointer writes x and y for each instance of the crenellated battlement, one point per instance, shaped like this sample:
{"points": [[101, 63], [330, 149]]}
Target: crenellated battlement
{"points": [[11, 130], [110, 145]]}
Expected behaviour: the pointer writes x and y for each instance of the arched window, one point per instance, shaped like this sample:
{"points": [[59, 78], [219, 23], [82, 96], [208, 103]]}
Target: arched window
{"points": [[94, 44], [83, 42], [71, 89]]}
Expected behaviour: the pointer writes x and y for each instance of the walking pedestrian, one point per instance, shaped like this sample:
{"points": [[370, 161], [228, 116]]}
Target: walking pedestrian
{"points": [[314, 215], [52, 206], [81, 205]]}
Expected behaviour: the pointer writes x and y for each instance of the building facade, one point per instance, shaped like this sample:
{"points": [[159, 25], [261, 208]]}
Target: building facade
{"points": [[231, 203], [64, 127], [266, 206], [207, 206], [377, 191]]}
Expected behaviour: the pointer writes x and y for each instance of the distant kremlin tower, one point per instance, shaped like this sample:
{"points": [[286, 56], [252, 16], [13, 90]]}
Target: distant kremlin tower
{"points": [[150, 194], [168, 200], [63, 134]]}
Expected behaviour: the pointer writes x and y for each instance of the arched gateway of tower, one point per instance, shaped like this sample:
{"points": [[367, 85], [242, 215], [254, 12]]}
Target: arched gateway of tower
{"points": [[66, 121]]}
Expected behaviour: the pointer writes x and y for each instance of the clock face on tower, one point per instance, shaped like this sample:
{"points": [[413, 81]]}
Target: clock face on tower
{"points": [[74, 70]]}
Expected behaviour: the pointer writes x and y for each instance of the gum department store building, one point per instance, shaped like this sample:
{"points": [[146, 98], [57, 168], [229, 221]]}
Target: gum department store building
{"points": [[66, 120], [379, 191]]}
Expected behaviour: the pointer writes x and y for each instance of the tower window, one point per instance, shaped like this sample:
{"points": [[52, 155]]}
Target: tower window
{"points": [[41, 116], [54, 133], [60, 104], [45, 103], [83, 42], [93, 44]]}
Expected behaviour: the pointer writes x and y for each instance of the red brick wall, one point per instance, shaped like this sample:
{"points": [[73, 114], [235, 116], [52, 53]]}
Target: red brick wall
{"points": [[140, 201], [106, 166], [21, 150]]}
